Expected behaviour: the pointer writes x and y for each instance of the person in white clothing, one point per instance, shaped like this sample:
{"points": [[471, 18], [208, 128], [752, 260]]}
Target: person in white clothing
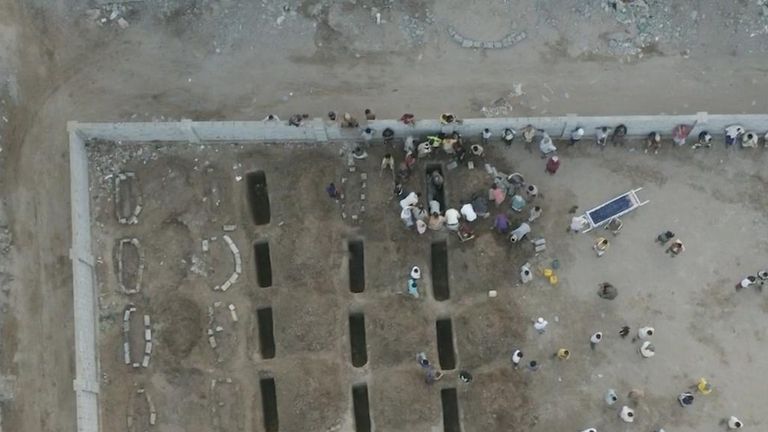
{"points": [[601, 135], [452, 219], [627, 414], [526, 275], [520, 232], [546, 146], [410, 200], [517, 357], [734, 423], [732, 134], [468, 212], [535, 214], [486, 135], [595, 339], [746, 282], [645, 332], [576, 135], [408, 145], [407, 216], [540, 324], [749, 140], [647, 350], [579, 223], [434, 207]]}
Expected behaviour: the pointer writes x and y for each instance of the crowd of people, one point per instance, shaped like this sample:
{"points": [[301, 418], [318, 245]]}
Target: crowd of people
{"points": [[510, 195]]}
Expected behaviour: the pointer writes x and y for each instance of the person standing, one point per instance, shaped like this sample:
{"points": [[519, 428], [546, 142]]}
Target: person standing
{"points": [[408, 144], [388, 163], [624, 331], [540, 324], [529, 132], [746, 282], [496, 195], [546, 146], [517, 357], [468, 212], [676, 248], [595, 339], [685, 399], [422, 359], [437, 179], [734, 423], [410, 200], [644, 333], [436, 222], [332, 192], [653, 142], [486, 136], [477, 150], [553, 164], [576, 135], [627, 414], [705, 140], [349, 122], [617, 138], [369, 115], [452, 219], [680, 133], [508, 136], [664, 237], [563, 354], [399, 192], [367, 135], [388, 134], [526, 275], [501, 223], [465, 376], [407, 216], [408, 119], [601, 136], [534, 214], [531, 192]]}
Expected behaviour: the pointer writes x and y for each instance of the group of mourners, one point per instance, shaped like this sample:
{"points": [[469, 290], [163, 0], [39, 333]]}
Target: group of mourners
{"points": [[430, 214], [735, 135]]}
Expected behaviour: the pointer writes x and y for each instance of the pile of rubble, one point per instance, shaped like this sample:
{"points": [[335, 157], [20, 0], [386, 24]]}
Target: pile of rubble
{"points": [[111, 14]]}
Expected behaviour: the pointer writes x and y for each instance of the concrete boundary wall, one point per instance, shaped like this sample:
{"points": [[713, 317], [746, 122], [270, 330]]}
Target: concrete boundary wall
{"points": [[318, 130], [86, 308]]}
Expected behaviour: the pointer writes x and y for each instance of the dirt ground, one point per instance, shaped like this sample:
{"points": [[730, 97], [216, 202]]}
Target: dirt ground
{"points": [[227, 59]]}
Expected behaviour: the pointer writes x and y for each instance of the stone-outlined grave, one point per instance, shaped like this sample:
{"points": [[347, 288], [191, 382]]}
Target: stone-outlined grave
{"points": [[226, 405], [137, 340], [142, 413], [130, 265], [222, 330], [128, 203]]}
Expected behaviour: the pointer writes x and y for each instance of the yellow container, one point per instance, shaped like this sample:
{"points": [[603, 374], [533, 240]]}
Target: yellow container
{"points": [[553, 279], [703, 386], [548, 272]]}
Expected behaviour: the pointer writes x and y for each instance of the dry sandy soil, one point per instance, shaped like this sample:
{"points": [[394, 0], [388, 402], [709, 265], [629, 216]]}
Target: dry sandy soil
{"points": [[227, 60]]}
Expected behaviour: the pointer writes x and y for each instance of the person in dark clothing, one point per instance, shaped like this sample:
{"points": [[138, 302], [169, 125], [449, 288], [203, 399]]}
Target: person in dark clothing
{"points": [[664, 237], [617, 138], [332, 191]]}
